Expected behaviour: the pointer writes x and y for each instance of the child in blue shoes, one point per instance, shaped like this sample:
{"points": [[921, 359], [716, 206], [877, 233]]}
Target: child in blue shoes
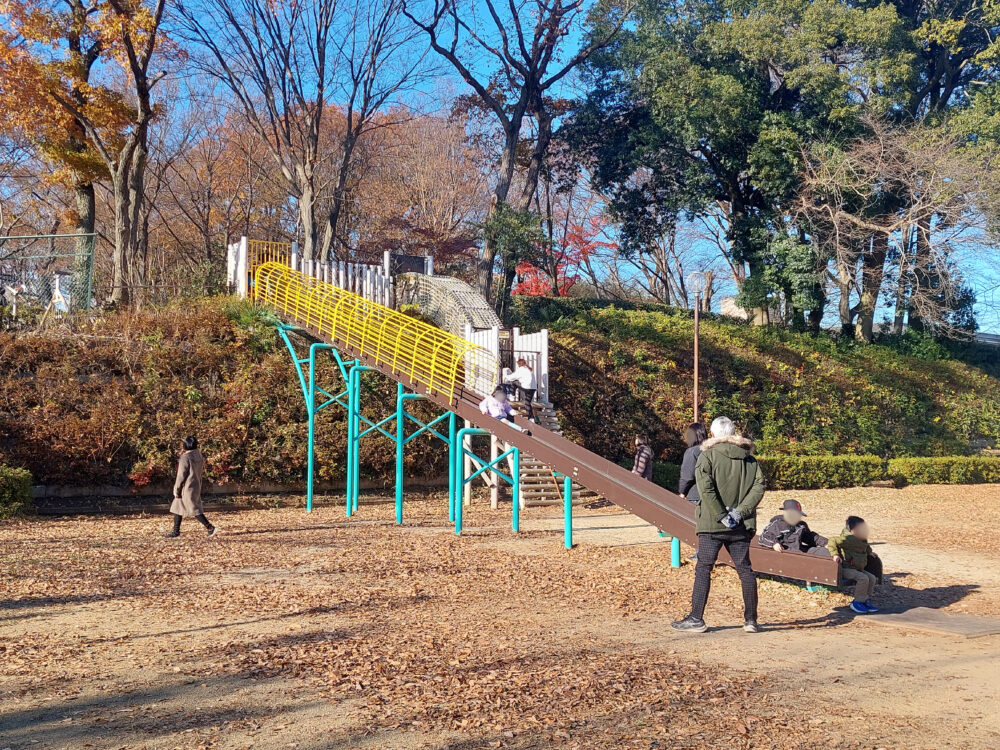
{"points": [[852, 549]]}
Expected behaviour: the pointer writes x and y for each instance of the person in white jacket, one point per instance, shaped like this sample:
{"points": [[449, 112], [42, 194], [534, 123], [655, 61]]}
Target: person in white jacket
{"points": [[524, 377]]}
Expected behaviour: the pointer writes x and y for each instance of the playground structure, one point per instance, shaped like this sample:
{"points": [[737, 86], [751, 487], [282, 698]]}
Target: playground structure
{"points": [[407, 282], [48, 274], [429, 363]]}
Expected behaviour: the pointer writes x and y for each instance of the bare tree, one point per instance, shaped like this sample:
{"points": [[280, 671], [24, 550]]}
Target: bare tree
{"points": [[894, 210], [526, 46], [286, 63]]}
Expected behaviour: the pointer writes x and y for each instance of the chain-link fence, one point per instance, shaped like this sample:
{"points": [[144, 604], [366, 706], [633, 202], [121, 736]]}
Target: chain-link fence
{"points": [[44, 274]]}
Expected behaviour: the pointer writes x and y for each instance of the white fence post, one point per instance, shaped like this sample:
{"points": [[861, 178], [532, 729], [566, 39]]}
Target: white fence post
{"points": [[242, 269], [387, 262], [294, 259], [232, 258]]}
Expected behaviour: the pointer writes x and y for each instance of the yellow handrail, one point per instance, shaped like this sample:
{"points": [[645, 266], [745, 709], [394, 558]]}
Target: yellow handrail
{"points": [[434, 359]]}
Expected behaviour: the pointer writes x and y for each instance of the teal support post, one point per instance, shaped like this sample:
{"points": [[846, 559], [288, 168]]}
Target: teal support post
{"points": [[515, 513], [311, 415], [307, 381], [354, 436], [461, 480], [675, 553], [453, 451], [567, 512], [349, 468], [400, 425], [456, 492]]}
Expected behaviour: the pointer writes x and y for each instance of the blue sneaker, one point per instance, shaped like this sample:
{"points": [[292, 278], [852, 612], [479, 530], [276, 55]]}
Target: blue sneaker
{"points": [[859, 607], [870, 607]]}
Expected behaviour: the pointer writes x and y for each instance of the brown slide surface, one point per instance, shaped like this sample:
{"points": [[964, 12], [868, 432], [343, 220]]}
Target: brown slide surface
{"points": [[663, 509]]}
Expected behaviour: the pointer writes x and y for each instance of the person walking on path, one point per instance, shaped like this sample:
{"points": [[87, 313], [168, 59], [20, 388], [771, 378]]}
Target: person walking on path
{"points": [[730, 486], [187, 488], [694, 436], [524, 377], [643, 464]]}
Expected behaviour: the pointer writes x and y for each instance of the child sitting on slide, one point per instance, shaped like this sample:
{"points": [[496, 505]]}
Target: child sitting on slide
{"points": [[498, 407], [852, 549], [789, 532]]}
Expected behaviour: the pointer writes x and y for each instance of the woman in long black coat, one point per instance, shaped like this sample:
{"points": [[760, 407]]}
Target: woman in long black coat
{"points": [[694, 436]]}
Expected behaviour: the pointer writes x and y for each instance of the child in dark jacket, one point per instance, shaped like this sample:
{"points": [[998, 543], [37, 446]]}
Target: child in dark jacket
{"points": [[852, 549], [789, 532]]}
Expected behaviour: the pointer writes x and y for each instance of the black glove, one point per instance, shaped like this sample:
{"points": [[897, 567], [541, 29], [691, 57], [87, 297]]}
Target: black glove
{"points": [[732, 519]]}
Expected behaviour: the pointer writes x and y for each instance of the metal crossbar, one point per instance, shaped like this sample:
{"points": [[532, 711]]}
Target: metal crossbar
{"points": [[431, 358]]}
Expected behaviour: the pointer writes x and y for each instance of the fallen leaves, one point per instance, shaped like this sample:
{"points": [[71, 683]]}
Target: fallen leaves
{"points": [[406, 629]]}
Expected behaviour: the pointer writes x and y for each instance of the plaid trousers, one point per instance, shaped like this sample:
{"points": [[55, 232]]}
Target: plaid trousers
{"points": [[737, 543]]}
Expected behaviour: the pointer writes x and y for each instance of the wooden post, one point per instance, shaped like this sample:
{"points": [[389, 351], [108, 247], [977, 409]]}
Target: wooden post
{"points": [[697, 308], [543, 366]]}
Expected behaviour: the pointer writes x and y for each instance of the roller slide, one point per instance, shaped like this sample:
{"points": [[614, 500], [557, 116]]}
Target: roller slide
{"points": [[663, 509]]}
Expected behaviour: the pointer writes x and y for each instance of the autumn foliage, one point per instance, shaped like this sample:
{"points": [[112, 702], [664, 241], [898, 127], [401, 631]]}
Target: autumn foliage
{"points": [[110, 404]]}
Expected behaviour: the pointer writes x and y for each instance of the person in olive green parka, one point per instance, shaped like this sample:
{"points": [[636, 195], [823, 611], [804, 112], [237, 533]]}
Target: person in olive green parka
{"points": [[730, 487]]}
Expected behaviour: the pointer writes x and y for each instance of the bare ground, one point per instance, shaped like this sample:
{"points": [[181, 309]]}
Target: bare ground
{"points": [[311, 631]]}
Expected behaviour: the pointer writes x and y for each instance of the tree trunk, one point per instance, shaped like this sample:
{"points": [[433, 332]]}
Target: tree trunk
{"points": [[921, 275], [137, 191], [872, 272], [336, 209], [307, 217], [509, 264], [86, 245], [488, 259], [119, 257], [844, 305]]}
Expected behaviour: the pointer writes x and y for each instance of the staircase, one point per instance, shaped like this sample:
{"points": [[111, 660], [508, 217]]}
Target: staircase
{"points": [[538, 485]]}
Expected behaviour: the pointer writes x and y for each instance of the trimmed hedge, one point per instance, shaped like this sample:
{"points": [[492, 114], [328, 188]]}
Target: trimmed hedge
{"points": [[15, 492], [820, 472], [945, 470]]}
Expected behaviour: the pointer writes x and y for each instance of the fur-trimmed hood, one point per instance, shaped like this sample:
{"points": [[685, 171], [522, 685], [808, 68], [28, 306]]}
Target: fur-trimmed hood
{"points": [[740, 442]]}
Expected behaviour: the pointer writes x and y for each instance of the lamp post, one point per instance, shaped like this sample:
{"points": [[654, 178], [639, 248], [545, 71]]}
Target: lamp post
{"points": [[696, 283]]}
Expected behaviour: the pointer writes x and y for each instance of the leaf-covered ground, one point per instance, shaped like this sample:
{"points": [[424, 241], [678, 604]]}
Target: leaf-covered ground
{"points": [[311, 631]]}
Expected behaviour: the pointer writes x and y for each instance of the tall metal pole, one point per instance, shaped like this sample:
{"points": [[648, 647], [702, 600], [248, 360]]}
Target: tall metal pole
{"points": [[697, 310]]}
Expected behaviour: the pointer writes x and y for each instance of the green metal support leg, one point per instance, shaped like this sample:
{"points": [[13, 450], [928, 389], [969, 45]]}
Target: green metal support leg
{"points": [[675, 553], [400, 429], [567, 512], [515, 514], [460, 480], [307, 381]]}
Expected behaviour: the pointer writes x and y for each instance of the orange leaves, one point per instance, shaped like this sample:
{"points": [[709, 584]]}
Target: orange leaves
{"points": [[48, 58]]}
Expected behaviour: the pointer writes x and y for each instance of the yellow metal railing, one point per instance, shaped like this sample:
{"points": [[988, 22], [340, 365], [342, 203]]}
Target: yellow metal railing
{"points": [[260, 252], [430, 357]]}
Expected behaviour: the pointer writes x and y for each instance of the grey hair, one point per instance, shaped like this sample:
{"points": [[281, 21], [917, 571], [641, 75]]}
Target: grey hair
{"points": [[723, 427]]}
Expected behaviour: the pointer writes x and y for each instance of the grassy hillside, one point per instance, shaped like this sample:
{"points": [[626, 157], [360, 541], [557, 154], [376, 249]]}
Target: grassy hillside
{"points": [[110, 403], [615, 371]]}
